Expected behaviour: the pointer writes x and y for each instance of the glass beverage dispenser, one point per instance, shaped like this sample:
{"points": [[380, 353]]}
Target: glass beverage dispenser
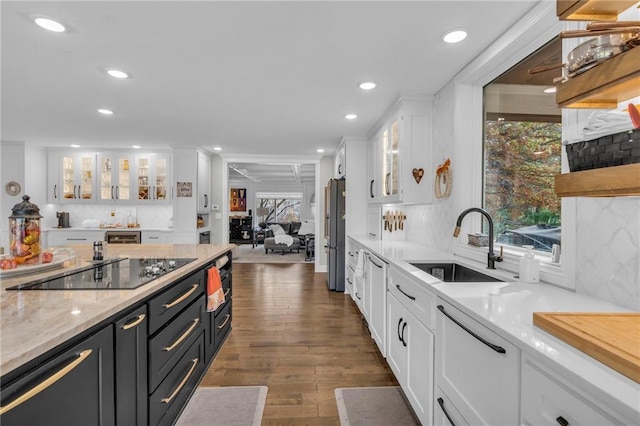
{"points": [[24, 226]]}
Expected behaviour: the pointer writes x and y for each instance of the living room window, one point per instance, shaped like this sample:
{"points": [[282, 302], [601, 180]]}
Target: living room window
{"points": [[522, 154], [278, 207]]}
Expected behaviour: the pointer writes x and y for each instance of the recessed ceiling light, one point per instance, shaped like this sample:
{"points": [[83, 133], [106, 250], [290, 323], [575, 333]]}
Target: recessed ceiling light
{"points": [[50, 24], [367, 85], [117, 73], [454, 36], [74, 146], [217, 148], [320, 150], [350, 116], [551, 89], [136, 146], [105, 111]]}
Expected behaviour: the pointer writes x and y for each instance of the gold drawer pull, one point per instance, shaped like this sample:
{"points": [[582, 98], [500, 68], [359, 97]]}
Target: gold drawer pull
{"points": [[181, 298], [226, 320], [227, 292], [182, 383], [184, 336], [135, 323], [46, 383]]}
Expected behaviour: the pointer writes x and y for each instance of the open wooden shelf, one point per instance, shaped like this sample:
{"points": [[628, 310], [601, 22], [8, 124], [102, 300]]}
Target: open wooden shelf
{"points": [[591, 10], [605, 85], [604, 182]]}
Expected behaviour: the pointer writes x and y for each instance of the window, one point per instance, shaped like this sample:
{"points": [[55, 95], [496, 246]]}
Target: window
{"points": [[522, 154], [272, 207]]}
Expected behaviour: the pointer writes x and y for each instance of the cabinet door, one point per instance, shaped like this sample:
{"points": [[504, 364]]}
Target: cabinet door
{"points": [[152, 177], [396, 348], [78, 177], [53, 179], [131, 368], [114, 177], [390, 160], [204, 182], [476, 368], [419, 375], [377, 273], [373, 171], [73, 388], [444, 412], [366, 290]]}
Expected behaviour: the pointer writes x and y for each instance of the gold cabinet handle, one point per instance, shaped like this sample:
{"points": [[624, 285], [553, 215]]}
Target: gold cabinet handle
{"points": [[226, 320], [184, 336], [181, 298], [227, 292], [47, 382], [182, 383], [134, 323]]}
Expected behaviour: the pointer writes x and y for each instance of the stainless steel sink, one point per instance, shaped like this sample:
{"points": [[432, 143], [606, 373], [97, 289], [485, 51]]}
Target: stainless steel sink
{"points": [[453, 272]]}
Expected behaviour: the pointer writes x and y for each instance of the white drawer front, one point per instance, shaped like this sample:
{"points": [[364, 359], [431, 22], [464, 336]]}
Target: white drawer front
{"points": [[413, 295]]}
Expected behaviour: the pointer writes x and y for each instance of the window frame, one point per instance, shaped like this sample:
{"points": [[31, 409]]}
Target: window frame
{"points": [[534, 30]]}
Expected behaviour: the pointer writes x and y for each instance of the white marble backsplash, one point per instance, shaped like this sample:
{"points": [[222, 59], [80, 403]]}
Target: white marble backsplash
{"points": [[608, 249], [152, 216]]}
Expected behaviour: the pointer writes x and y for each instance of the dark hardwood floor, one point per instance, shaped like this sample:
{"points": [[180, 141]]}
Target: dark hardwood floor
{"points": [[292, 334]]}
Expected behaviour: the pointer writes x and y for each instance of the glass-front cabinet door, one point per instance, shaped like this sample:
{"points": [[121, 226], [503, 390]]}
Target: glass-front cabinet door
{"points": [[390, 160], [152, 177], [114, 177], [78, 177]]}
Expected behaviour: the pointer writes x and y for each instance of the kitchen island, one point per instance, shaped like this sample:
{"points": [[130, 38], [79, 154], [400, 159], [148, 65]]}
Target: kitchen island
{"points": [[36, 326]]}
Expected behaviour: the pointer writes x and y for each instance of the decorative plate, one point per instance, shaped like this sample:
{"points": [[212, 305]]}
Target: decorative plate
{"points": [[13, 188]]}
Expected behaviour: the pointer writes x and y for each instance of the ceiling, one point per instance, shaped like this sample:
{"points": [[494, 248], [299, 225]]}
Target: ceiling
{"points": [[267, 79]]}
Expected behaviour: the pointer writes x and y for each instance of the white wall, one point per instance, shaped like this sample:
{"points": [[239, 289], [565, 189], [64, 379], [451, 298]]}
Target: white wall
{"points": [[12, 160]]}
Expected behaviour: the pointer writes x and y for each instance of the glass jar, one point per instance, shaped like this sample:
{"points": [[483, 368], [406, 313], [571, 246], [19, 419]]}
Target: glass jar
{"points": [[24, 227]]}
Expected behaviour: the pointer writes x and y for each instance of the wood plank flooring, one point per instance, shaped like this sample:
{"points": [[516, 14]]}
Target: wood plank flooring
{"points": [[292, 334]]}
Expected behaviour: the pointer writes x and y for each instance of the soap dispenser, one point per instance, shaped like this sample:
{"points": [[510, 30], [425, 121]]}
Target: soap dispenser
{"points": [[529, 267]]}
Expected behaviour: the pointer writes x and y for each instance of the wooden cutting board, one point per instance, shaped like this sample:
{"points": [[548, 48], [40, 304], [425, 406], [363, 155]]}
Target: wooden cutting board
{"points": [[611, 338]]}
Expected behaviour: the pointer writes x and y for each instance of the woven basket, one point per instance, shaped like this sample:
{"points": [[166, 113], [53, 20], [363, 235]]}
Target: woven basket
{"points": [[606, 151]]}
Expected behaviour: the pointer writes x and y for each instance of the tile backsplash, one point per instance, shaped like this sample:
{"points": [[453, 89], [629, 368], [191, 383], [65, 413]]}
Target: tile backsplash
{"points": [[156, 216]]}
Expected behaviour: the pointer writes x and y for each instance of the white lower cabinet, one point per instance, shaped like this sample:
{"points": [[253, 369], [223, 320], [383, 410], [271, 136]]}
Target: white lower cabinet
{"points": [[377, 291], [444, 413], [154, 237], [410, 342], [477, 370], [350, 282], [545, 401], [65, 238]]}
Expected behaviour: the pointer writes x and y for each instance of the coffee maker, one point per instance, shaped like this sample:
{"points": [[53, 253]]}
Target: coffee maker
{"points": [[63, 219]]}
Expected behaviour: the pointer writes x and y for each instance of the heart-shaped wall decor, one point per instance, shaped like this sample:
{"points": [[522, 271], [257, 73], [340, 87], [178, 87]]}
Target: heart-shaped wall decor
{"points": [[417, 174]]}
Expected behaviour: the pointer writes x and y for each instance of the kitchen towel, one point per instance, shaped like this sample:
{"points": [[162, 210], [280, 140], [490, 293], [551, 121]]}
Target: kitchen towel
{"points": [[360, 263], [215, 294]]}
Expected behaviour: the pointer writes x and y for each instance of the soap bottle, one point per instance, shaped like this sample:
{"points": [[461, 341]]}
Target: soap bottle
{"points": [[529, 267]]}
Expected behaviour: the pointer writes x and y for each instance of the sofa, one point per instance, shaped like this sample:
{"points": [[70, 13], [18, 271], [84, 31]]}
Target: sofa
{"points": [[288, 228]]}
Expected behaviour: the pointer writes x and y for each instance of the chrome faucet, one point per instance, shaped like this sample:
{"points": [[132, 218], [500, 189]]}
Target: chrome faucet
{"points": [[491, 257]]}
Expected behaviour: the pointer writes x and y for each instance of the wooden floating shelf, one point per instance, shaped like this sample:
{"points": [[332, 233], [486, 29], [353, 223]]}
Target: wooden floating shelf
{"points": [[591, 10], [604, 182], [605, 85]]}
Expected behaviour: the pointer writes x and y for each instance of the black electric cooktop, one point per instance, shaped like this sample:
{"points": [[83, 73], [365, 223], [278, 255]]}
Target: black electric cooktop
{"points": [[110, 274]]}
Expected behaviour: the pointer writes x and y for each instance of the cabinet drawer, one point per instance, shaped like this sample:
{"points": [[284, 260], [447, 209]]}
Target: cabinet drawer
{"points": [[547, 402], [477, 369], [222, 323], [349, 285], [168, 304], [445, 414], [82, 394], [413, 295], [167, 401], [172, 341]]}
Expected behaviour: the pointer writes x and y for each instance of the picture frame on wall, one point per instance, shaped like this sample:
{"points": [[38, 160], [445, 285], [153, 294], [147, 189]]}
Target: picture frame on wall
{"points": [[238, 199]]}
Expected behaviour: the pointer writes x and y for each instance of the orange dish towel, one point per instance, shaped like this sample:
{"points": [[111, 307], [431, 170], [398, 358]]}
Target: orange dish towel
{"points": [[215, 294]]}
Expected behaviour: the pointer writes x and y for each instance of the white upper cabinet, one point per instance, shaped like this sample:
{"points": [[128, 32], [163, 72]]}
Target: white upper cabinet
{"points": [[340, 162], [204, 182], [115, 182], [152, 176], [400, 163], [71, 177]]}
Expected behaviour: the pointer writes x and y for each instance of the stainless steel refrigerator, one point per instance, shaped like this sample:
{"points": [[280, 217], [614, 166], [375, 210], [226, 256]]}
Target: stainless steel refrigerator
{"points": [[334, 229]]}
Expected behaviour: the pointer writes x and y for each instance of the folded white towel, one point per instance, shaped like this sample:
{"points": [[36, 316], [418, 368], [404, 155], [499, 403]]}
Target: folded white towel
{"points": [[283, 239], [222, 261], [360, 263]]}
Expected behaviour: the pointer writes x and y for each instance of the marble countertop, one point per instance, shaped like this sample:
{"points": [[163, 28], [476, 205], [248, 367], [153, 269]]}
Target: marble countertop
{"points": [[507, 309], [33, 322]]}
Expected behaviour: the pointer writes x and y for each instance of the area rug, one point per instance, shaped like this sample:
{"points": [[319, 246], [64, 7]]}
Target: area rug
{"points": [[247, 254], [375, 406], [225, 406]]}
